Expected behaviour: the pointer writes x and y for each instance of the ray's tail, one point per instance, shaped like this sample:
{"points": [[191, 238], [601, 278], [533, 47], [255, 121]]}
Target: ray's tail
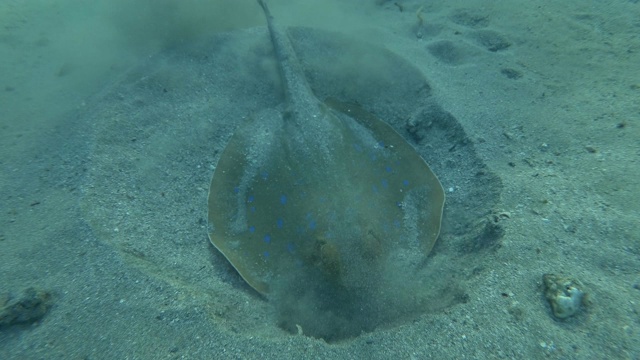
{"points": [[296, 89]]}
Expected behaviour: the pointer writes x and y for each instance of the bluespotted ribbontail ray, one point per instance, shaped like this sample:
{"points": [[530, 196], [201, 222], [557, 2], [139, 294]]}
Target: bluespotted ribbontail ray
{"points": [[321, 196]]}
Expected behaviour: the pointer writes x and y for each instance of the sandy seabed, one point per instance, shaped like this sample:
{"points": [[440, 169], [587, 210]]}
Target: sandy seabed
{"points": [[120, 262]]}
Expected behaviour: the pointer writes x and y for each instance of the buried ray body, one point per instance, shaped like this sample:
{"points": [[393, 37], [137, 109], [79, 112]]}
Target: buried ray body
{"points": [[322, 196]]}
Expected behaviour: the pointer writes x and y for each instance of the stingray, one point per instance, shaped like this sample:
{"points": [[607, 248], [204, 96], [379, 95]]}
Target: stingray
{"points": [[319, 191]]}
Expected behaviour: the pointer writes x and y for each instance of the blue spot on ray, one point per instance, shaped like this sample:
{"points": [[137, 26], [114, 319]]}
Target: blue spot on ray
{"points": [[267, 238], [250, 199], [283, 199], [279, 223], [252, 229]]}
